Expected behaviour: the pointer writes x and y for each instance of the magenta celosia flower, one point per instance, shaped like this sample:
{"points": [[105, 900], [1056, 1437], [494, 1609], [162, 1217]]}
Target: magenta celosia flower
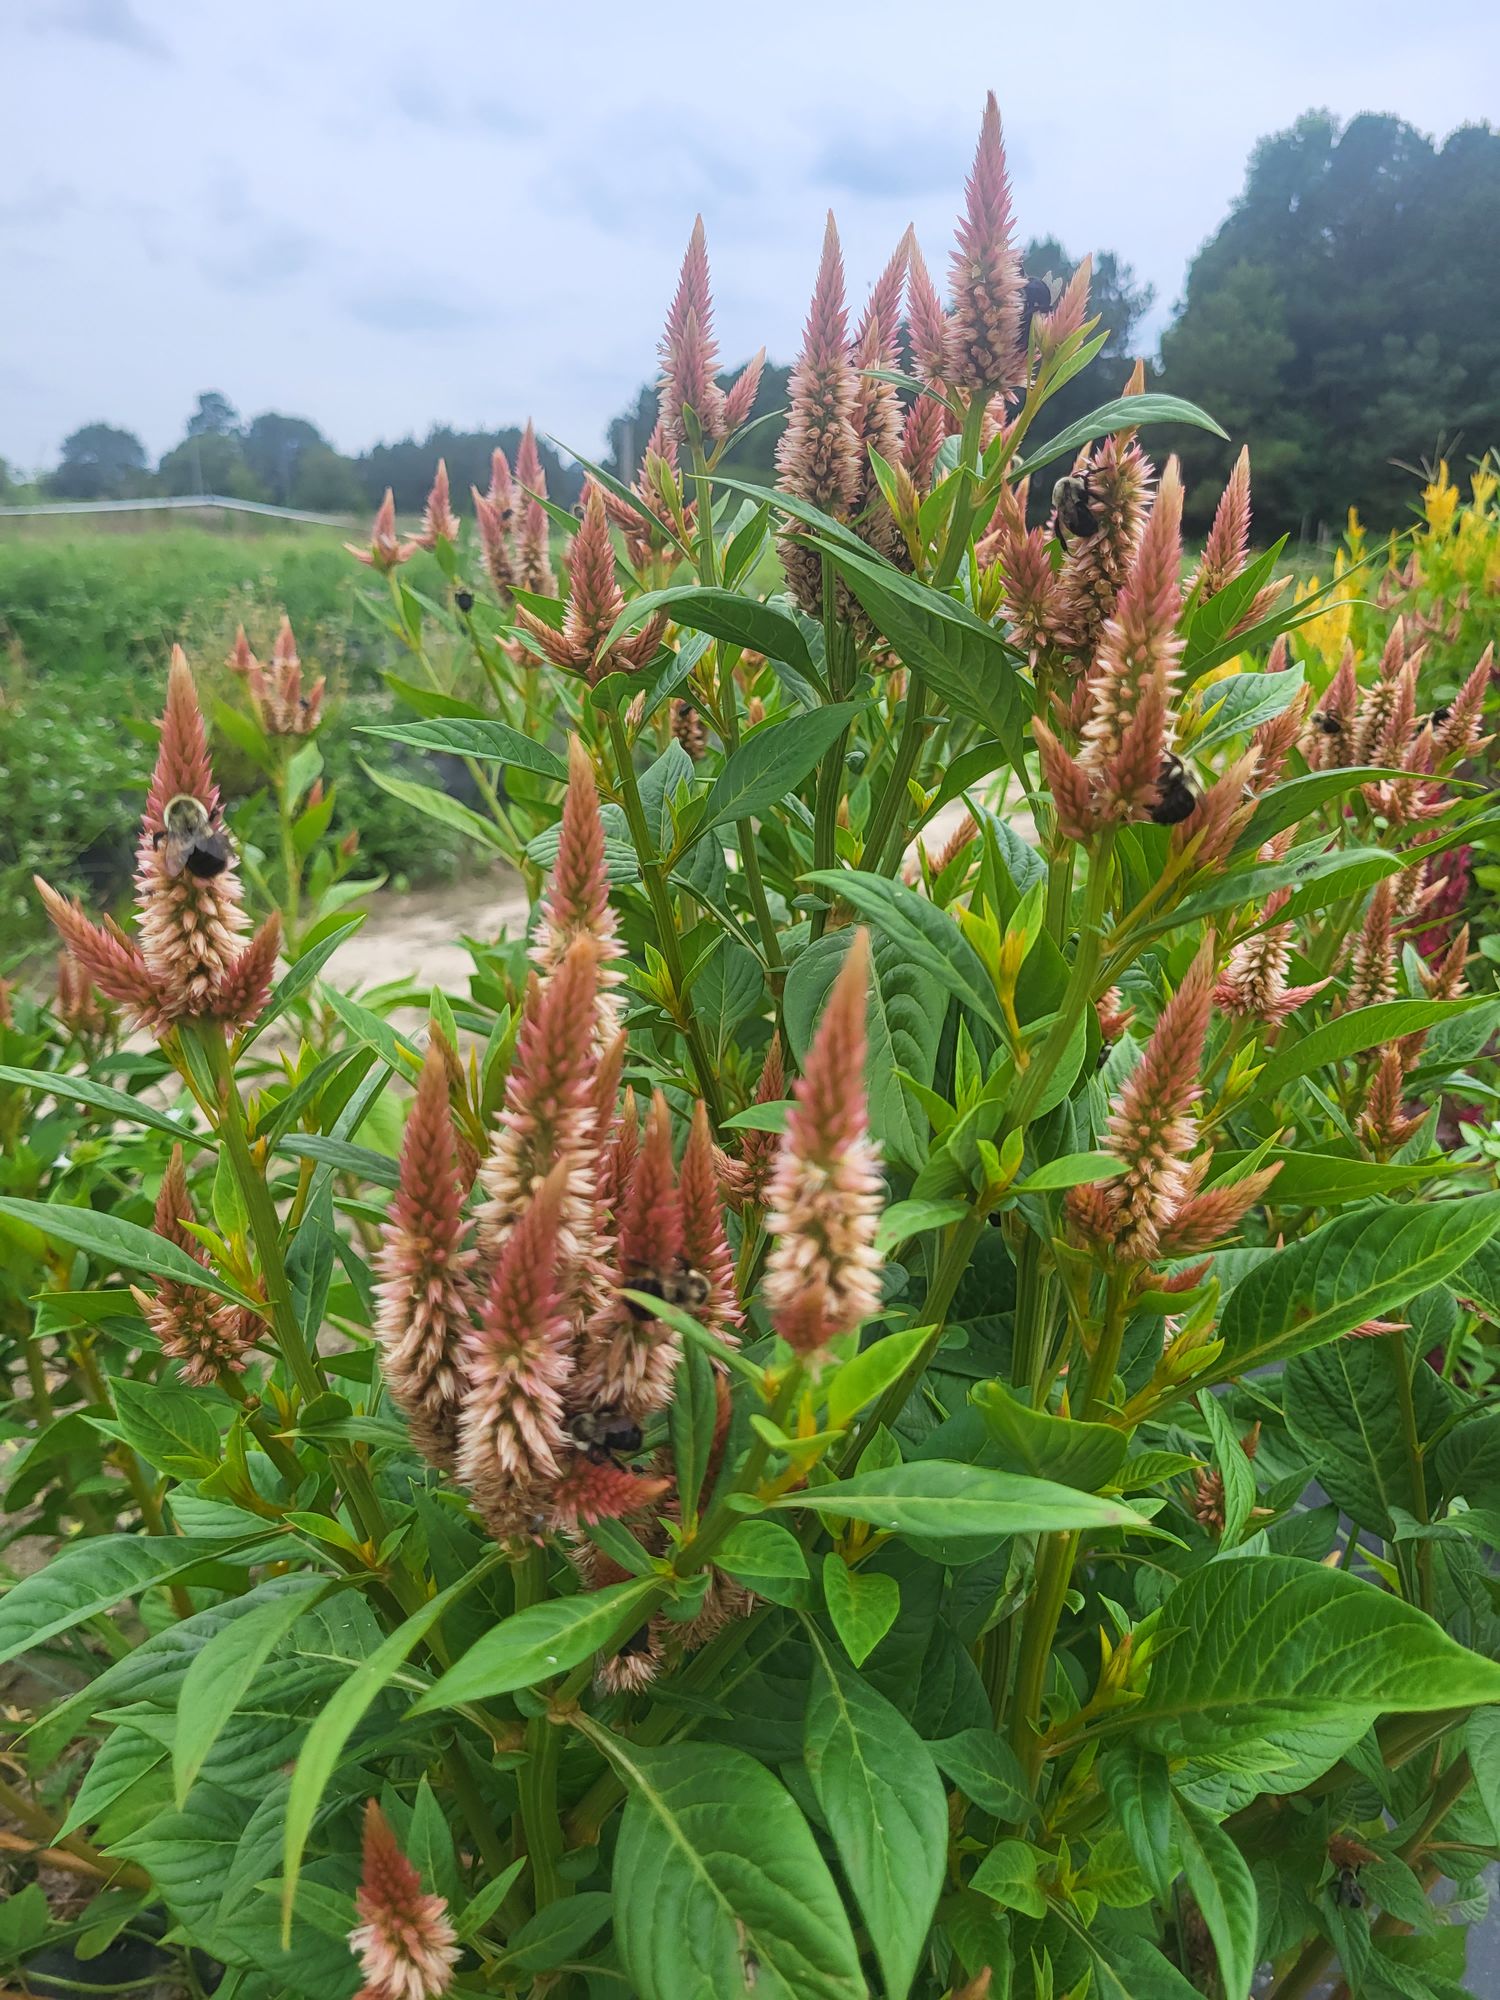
{"points": [[824, 1198], [385, 548], [926, 320], [547, 1119], [819, 457], [496, 543], [405, 1944], [534, 571], [1126, 734], [628, 1361], [512, 1432], [595, 601], [439, 522], [276, 693], [1228, 541], [205, 1335], [1328, 744], [690, 358], [705, 1247], [189, 960], [984, 328], [426, 1292]]}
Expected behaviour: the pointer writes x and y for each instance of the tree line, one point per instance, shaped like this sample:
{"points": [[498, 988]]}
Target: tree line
{"points": [[1345, 318]]}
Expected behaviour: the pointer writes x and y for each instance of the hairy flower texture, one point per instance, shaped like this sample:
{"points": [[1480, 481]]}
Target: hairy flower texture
{"points": [[1383, 1124], [204, 1334], [1228, 541], [385, 548], [1119, 476], [534, 571], [1372, 975], [1445, 980], [819, 457], [79, 1005], [426, 1295], [1275, 740], [497, 542], [824, 1198], [1035, 602], [598, 1490], [1450, 881], [1151, 1129], [926, 321], [628, 1362], [547, 1119], [595, 601], [636, 1665], [1458, 735], [878, 419], [1222, 813], [705, 1247], [1126, 735], [646, 526], [1067, 317], [689, 728], [439, 522], [1208, 1486], [1377, 702], [745, 1179], [102, 954], [1202, 1220], [690, 357], [928, 422], [1253, 984], [985, 274], [1070, 785], [405, 1945], [1328, 743], [576, 903], [281, 706], [617, 1159], [513, 1442]]}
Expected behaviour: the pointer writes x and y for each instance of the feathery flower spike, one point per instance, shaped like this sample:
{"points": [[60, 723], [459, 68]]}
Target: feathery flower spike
{"points": [[405, 1944], [385, 548], [819, 458], [534, 571], [204, 1334], [985, 326]]}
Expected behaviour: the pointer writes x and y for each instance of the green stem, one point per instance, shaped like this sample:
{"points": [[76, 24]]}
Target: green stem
{"points": [[477, 1815], [537, 1783], [291, 867], [1079, 993], [891, 809], [831, 770], [654, 876], [1400, 1360]]}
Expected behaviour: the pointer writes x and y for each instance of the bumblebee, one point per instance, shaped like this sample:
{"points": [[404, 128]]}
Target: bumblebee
{"points": [[192, 840], [681, 1286], [1326, 724], [605, 1435], [463, 597], [1345, 1889], [638, 1642], [1070, 503], [1038, 297], [1175, 798]]}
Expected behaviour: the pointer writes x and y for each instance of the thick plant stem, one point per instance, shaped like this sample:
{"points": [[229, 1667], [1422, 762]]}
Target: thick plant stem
{"points": [[1401, 1368], [890, 813], [537, 1779], [831, 770], [660, 897], [1078, 995]]}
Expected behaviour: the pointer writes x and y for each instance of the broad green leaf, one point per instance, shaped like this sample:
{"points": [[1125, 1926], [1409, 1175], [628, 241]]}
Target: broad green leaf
{"points": [[363, 1161], [761, 1551], [880, 1793], [347, 1707], [1317, 879], [86, 1577], [125, 1757], [119, 1103], [986, 1770], [935, 1496], [905, 1219], [862, 1603], [557, 1933], [691, 1420], [1233, 1465], [1076, 1170], [772, 761], [170, 1428], [720, 1891], [368, 1027], [452, 813], [1008, 1876], [222, 1673], [478, 1911], [1332, 1179], [966, 662], [1287, 1662], [1139, 1791], [543, 1640], [1351, 1034], [1064, 1449], [490, 742], [1482, 1741], [1343, 1409], [1224, 1890], [928, 937], [1364, 1265], [1124, 413], [1242, 702], [121, 1245], [1292, 801], [862, 1378], [725, 615]]}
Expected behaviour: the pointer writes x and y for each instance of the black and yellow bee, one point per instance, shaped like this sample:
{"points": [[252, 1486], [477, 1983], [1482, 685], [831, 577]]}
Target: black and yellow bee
{"points": [[190, 838]]}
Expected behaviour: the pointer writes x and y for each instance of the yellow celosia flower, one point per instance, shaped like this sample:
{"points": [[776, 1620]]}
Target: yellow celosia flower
{"points": [[1354, 535], [1440, 501], [1327, 631]]}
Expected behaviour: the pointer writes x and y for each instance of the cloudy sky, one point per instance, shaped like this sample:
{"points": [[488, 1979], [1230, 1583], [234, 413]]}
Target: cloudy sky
{"points": [[377, 214]]}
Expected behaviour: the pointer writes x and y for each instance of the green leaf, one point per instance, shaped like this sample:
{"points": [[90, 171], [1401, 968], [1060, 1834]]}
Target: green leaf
{"points": [[761, 1551], [458, 818], [935, 1496], [534, 1644], [1242, 702], [863, 1604], [121, 1245], [221, 1674], [760, 1117], [928, 937], [905, 1219], [1289, 1662], [1081, 1455], [1224, 1890], [1075, 1170], [489, 742], [379, 1169], [987, 1771], [1234, 1468], [723, 614], [1008, 1876], [691, 1419], [557, 1933], [367, 1026], [1139, 1791], [720, 1891], [862, 1378], [772, 761], [119, 1104], [170, 1428], [881, 1795], [430, 701], [1292, 801], [341, 1716], [1124, 413], [87, 1577], [964, 660], [1364, 1265], [1351, 1034], [301, 975], [1342, 1407]]}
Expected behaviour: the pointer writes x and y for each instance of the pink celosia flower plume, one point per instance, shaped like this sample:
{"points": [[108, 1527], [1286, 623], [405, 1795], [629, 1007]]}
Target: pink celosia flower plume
{"points": [[1118, 478], [690, 358], [276, 694], [985, 327], [595, 601], [495, 513], [1253, 982], [576, 902], [1228, 541], [189, 959], [648, 526], [385, 548], [825, 1194], [629, 1359], [439, 522], [426, 1294], [819, 457], [204, 1334], [1384, 1124], [705, 1247], [534, 571], [745, 1179], [405, 1944]]}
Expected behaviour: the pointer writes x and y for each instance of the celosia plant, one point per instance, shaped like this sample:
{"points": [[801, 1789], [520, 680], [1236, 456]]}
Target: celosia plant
{"points": [[910, 1410]]}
